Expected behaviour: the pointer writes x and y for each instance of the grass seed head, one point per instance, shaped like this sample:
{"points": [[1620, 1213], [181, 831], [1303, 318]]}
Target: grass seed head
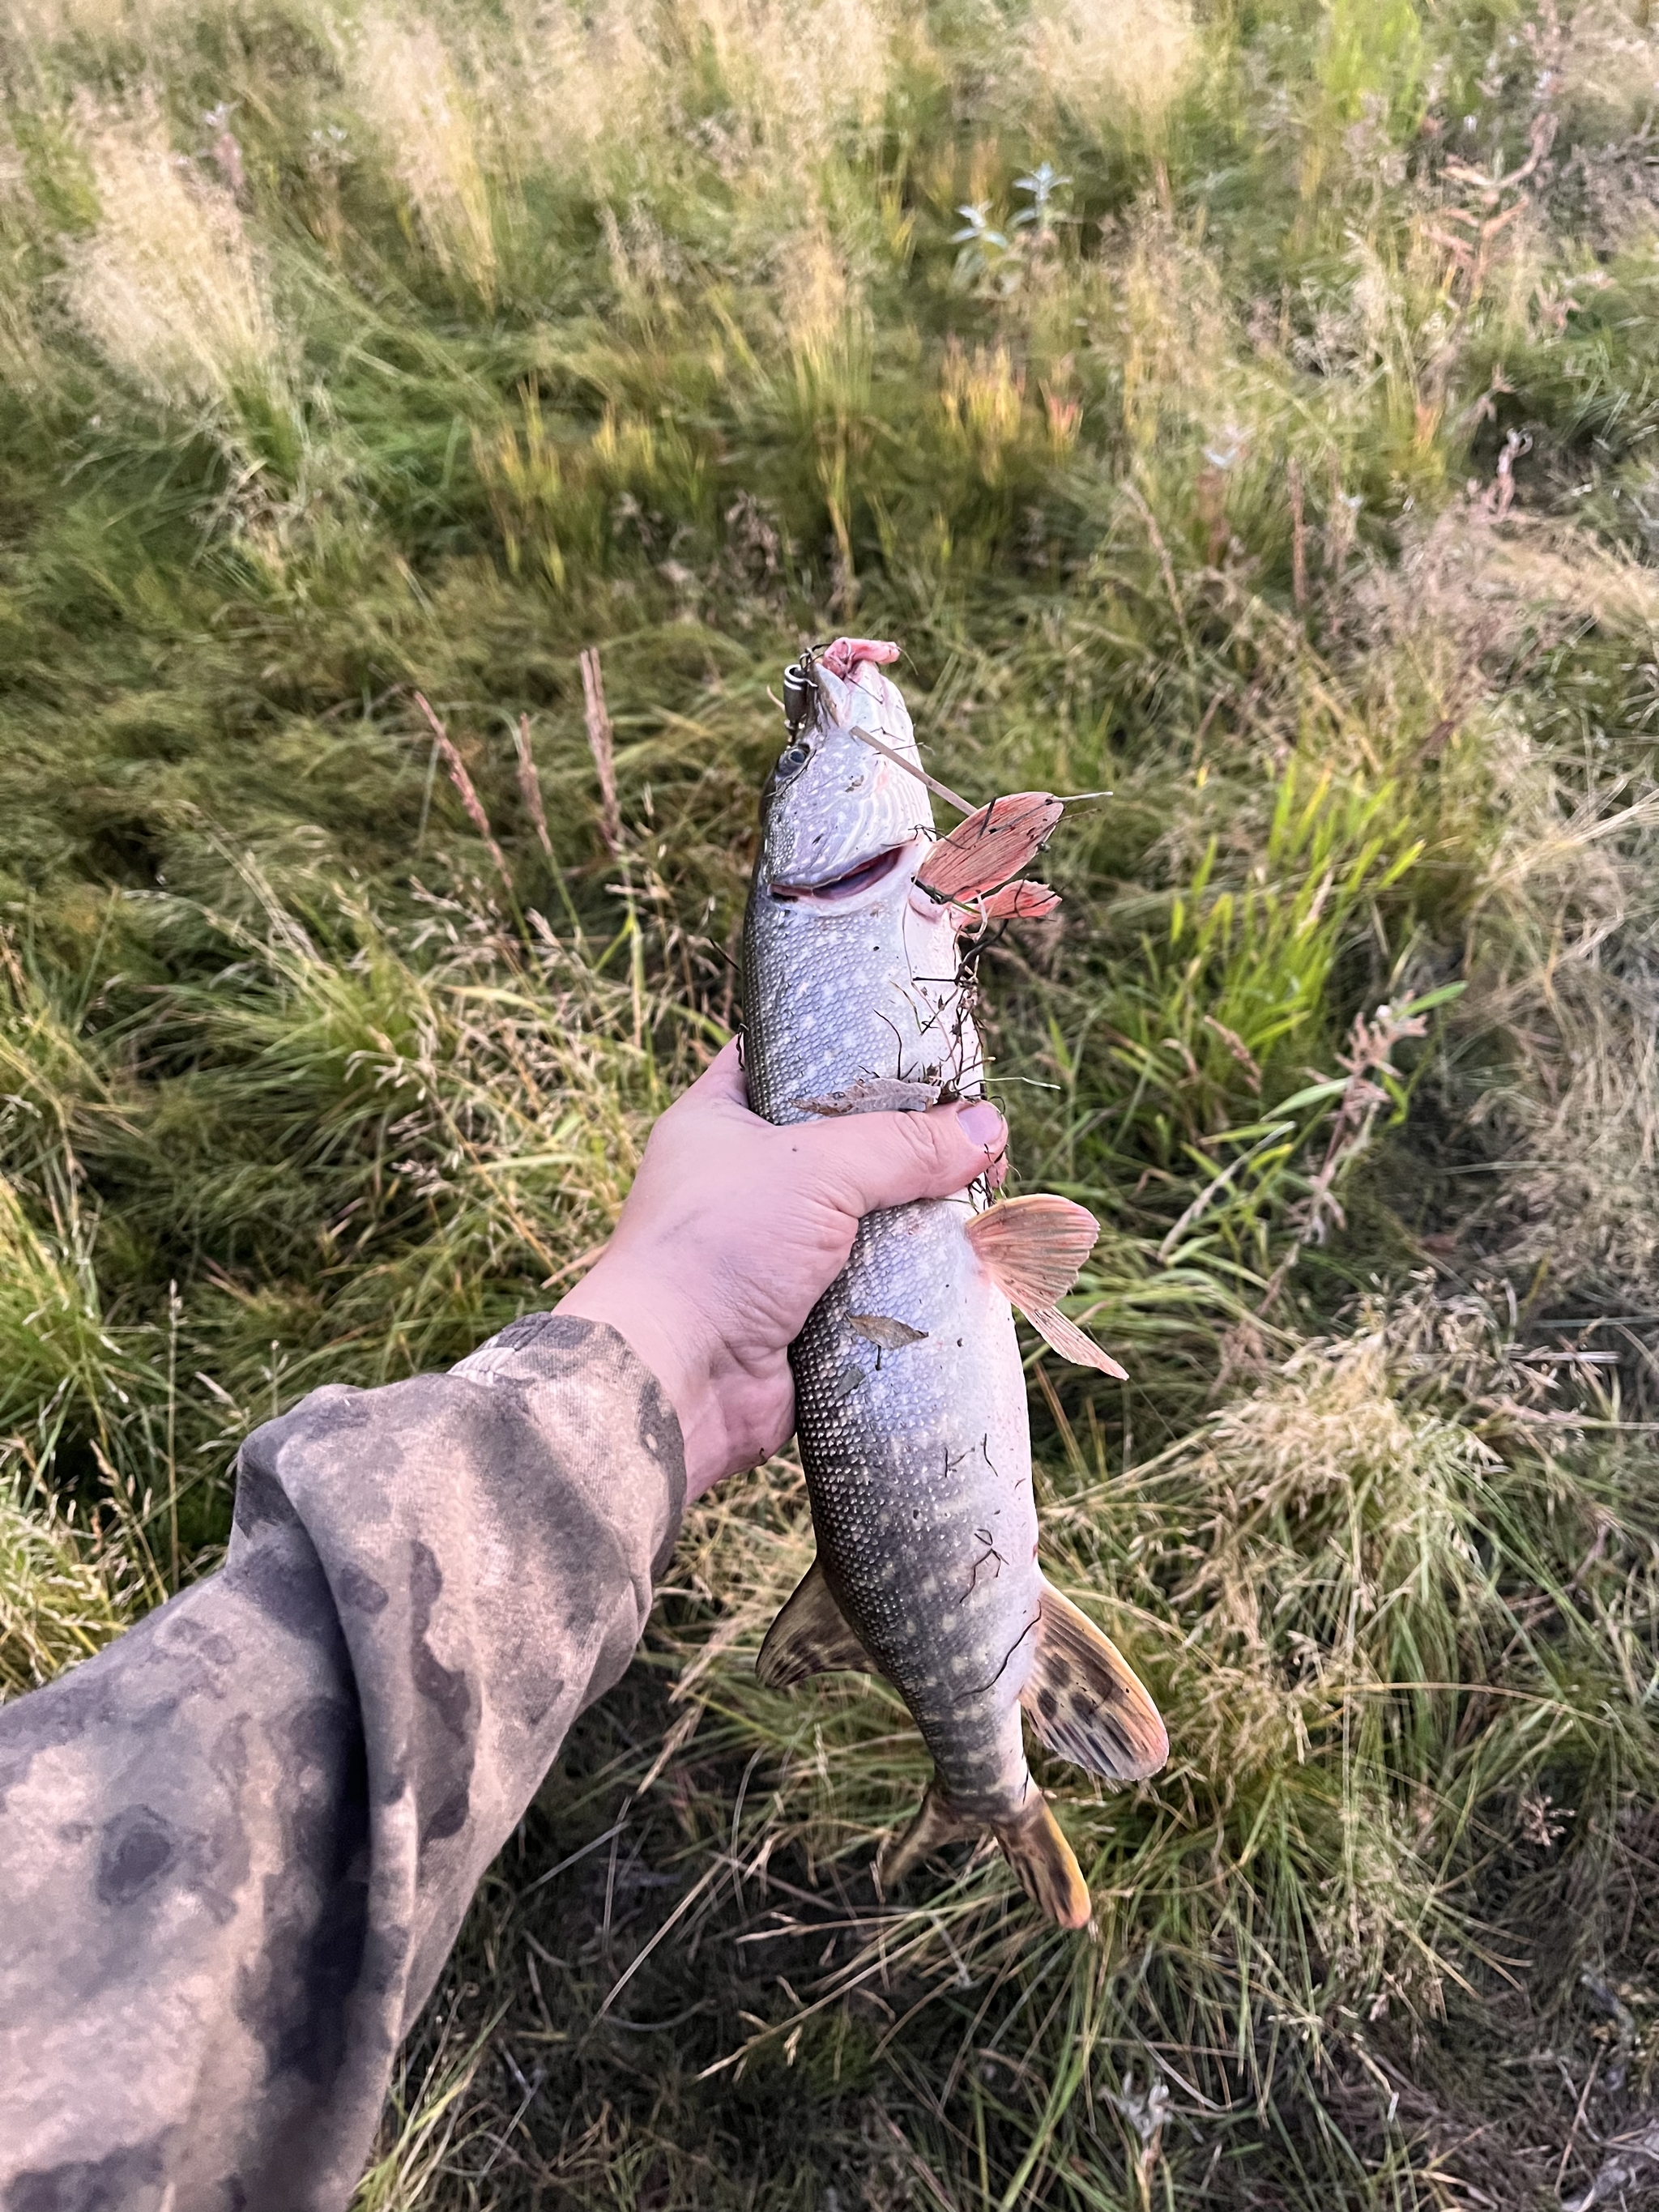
{"points": [[169, 286], [408, 89]]}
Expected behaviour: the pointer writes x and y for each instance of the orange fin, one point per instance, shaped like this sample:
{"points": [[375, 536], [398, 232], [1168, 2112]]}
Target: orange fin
{"points": [[988, 850], [1044, 1864], [1063, 1336], [1032, 1247], [1021, 901], [1086, 1701], [810, 1637]]}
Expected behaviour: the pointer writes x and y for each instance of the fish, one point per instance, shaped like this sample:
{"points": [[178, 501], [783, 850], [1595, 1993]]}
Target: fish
{"points": [[910, 1405]]}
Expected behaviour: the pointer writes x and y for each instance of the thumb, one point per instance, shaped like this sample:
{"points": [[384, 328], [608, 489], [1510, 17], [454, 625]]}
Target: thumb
{"points": [[890, 1159]]}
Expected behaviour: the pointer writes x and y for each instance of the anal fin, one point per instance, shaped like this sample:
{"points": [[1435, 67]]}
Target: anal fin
{"points": [[937, 1824], [1085, 1701], [810, 1637]]}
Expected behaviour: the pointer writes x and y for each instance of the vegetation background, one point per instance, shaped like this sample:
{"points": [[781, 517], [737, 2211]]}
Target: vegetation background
{"points": [[1250, 411]]}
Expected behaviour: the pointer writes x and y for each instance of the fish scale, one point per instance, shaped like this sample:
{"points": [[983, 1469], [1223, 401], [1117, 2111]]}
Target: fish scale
{"points": [[908, 1469], [910, 1390]]}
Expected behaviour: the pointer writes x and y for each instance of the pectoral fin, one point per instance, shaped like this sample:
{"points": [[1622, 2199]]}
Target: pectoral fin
{"points": [[1031, 1249], [1018, 902], [990, 848], [1085, 1701], [810, 1637]]}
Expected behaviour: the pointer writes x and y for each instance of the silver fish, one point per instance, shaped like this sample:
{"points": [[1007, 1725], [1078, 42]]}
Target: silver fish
{"points": [[910, 1397]]}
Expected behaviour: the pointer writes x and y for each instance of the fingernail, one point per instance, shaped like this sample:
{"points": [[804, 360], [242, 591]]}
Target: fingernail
{"points": [[983, 1125]]}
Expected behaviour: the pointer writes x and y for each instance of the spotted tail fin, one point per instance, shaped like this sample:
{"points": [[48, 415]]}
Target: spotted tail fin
{"points": [[1043, 1862]]}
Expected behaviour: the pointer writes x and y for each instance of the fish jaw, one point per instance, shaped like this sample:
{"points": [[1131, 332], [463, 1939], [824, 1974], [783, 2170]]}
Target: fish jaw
{"points": [[848, 805]]}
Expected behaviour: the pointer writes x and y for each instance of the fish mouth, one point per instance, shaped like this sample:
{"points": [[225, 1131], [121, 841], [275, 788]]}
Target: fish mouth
{"points": [[862, 876]]}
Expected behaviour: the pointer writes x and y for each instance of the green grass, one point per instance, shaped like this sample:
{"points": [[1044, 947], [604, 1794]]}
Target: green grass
{"points": [[1279, 459]]}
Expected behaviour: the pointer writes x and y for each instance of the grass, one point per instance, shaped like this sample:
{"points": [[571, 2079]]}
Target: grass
{"points": [[1247, 412]]}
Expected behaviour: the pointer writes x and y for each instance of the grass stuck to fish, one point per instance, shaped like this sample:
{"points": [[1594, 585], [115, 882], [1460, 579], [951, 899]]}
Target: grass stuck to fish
{"points": [[1249, 416]]}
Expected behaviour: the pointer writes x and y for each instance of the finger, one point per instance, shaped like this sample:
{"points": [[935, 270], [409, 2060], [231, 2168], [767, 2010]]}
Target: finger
{"points": [[724, 1078], [891, 1159]]}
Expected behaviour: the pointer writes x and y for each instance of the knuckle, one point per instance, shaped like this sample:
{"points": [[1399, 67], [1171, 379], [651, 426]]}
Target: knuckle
{"points": [[925, 1141]]}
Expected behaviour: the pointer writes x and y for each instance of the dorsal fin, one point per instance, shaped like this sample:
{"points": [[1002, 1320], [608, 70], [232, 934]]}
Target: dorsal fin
{"points": [[990, 848], [810, 1637], [1031, 1249], [1085, 1701]]}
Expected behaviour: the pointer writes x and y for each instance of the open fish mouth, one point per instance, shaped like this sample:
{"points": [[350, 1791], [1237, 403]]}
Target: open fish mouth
{"points": [[862, 876]]}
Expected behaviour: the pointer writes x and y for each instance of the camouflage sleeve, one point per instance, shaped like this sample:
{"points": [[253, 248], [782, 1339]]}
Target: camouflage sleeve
{"points": [[236, 1846]]}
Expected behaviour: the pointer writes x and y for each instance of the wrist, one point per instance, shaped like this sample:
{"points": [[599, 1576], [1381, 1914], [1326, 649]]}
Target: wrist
{"points": [[671, 1339]]}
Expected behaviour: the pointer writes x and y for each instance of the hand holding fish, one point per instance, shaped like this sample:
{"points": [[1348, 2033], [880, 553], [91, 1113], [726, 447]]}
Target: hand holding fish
{"points": [[733, 1230]]}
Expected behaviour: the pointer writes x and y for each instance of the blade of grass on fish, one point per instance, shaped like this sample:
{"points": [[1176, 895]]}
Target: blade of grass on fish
{"points": [[940, 790]]}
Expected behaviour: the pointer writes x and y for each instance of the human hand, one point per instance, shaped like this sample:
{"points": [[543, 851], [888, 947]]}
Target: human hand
{"points": [[733, 1232]]}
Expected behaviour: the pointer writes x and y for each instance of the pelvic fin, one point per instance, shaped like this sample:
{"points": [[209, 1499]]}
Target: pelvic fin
{"points": [[1031, 1249], [810, 1637]]}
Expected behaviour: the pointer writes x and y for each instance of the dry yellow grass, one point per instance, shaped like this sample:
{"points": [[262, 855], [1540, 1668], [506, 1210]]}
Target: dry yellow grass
{"points": [[408, 90], [1116, 65], [61, 1598], [170, 286]]}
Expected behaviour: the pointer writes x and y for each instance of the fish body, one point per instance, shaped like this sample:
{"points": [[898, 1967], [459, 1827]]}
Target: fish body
{"points": [[911, 1396]]}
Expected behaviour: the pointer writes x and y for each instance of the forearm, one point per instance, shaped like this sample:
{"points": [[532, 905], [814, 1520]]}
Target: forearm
{"points": [[236, 1847]]}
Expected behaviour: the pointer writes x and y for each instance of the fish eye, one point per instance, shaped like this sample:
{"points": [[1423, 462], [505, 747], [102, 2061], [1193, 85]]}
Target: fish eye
{"points": [[793, 758]]}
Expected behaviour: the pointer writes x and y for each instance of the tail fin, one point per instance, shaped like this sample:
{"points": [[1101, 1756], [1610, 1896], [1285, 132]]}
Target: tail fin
{"points": [[1045, 1866], [937, 1824]]}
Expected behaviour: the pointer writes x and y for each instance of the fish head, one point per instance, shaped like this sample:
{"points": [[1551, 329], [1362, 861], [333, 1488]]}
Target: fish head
{"points": [[842, 824]]}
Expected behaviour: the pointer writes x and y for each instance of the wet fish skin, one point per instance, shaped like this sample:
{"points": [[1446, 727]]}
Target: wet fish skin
{"points": [[917, 1448]]}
